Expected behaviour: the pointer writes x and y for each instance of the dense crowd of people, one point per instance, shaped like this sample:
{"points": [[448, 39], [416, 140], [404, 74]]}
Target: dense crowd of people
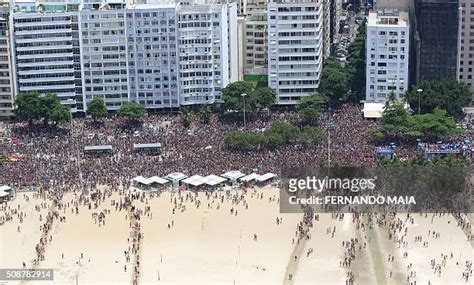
{"points": [[57, 153]]}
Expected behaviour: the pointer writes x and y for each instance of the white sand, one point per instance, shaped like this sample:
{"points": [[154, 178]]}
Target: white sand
{"points": [[18, 247], [209, 245], [452, 240], [212, 245]]}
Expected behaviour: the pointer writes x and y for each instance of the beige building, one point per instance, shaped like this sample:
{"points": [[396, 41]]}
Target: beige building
{"points": [[466, 53], [255, 39], [6, 90], [326, 19]]}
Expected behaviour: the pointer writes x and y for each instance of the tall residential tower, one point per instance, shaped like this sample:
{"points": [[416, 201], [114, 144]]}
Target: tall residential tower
{"points": [[295, 48]]}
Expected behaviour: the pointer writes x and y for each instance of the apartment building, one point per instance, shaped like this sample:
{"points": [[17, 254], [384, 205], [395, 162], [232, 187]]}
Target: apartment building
{"points": [[295, 48], [255, 43], [207, 51], [466, 50], [104, 57], [46, 52], [159, 54], [6, 88], [336, 10], [326, 19], [437, 39], [387, 51]]}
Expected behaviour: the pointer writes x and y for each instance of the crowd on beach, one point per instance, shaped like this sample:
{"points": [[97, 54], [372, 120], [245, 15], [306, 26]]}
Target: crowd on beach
{"points": [[53, 159], [57, 153]]}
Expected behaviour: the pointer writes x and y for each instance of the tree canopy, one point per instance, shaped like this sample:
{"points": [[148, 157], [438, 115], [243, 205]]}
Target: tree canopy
{"points": [[132, 110], [256, 99], [334, 82], [310, 107], [398, 124], [96, 107], [28, 107], [279, 133], [445, 93], [33, 106]]}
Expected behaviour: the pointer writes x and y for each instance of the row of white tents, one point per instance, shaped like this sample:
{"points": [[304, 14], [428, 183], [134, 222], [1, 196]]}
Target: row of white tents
{"points": [[177, 178]]}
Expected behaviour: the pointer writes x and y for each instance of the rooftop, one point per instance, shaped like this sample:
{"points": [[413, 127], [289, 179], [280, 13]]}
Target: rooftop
{"points": [[389, 17]]}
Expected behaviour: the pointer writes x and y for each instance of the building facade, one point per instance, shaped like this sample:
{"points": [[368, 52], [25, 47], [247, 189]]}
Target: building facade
{"points": [[326, 20], [387, 50], [206, 44], [466, 50], [437, 39], [6, 88], [46, 52], [295, 48], [161, 55], [255, 43]]}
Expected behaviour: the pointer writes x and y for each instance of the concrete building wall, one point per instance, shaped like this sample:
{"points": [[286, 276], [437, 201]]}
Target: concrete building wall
{"points": [[437, 38], [295, 48], [466, 51], [6, 80], [387, 50]]}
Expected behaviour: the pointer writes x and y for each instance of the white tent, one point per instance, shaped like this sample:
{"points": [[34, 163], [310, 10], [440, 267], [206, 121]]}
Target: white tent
{"points": [[213, 180], [176, 176], [159, 180], [142, 180], [233, 175], [373, 110], [195, 180], [265, 177], [5, 188], [249, 177]]}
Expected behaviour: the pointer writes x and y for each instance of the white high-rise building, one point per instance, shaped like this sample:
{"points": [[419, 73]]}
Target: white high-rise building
{"points": [[104, 57], [387, 51], [46, 53], [207, 50], [157, 53], [295, 41], [6, 88]]}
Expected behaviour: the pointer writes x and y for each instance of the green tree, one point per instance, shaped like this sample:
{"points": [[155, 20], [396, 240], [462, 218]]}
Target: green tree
{"points": [[96, 107], [395, 120], [60, 114], [310, 107], [310, 136], [28, 107], [232, 95], [436, 125], [334, 82], [356, 62], [266, 97], [445, 93], [132, 110], [48, 104]]}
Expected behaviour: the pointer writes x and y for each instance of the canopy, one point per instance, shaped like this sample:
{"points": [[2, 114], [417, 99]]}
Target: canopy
{"points": [[213, 180], [233, 175], [195, 180], [265, 177], [177, 176], [5, 188], [249, 177], [159, 180], [142, 180], [373, 110], [146, 145], [4, 194], [98, 147]]}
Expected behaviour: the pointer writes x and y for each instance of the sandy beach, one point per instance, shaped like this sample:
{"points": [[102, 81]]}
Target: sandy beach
{"points": [[230, 237]]}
